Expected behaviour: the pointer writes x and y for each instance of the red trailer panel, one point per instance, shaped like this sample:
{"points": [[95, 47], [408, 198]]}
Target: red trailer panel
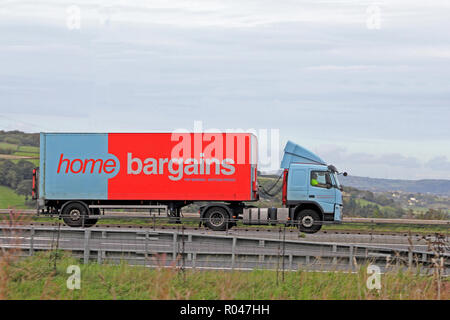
{"points": [[184, 166]]}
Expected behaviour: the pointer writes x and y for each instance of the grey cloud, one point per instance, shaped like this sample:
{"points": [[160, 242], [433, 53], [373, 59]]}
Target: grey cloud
{"points": [[341, 155], [399, 160], [439, 163], [387, 165]]}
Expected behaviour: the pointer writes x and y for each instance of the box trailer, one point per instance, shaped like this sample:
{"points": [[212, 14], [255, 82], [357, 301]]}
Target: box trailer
{"points": [[82, 173]]}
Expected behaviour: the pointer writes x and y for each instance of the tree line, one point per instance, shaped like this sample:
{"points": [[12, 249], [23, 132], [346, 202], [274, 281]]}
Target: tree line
{"points": [[20, 138]]}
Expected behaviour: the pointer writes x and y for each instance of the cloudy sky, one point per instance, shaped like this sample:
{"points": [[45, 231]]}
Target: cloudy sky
{"points": [[365, 84]]}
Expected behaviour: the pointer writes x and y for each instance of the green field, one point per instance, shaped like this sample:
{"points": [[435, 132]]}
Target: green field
{"points": [[35, 278], [33, 161], [364, 202], [21, 151], [26, 154], [9, 146], [29, 149], [10, 199]]}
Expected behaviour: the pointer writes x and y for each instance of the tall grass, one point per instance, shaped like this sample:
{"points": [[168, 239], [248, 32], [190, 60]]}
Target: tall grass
{"points": [[35, 278]]}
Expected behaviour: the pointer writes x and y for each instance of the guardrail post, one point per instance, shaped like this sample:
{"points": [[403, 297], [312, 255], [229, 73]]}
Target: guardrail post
{"points": [[87, 236], [290, 262], [261, 259], [350, 257], [102, 252], [146, 248], [388, 261], [194, 258], [334, 250], [410, 259], [233, 250], [31, 241], [175, 246]]}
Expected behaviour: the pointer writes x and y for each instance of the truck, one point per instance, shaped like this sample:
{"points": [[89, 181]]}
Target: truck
{"points": [[81, 175]]}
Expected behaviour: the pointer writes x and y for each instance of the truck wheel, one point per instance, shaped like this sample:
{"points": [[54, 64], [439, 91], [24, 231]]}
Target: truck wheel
{"points": [[73, 215], [216, 219], [92, 221], [309, 221]]}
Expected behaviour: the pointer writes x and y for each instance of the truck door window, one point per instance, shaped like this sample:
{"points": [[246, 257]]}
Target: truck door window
{"points": [[320, 179]]}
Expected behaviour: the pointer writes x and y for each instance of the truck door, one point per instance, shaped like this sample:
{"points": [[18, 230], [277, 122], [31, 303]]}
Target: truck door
{"points": [[297, 188], [321, 190]]}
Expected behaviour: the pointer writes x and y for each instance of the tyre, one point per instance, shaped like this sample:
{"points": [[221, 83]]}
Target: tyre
{"points": [[216, 219], [92, 221], [74, 213], [309, 221]]}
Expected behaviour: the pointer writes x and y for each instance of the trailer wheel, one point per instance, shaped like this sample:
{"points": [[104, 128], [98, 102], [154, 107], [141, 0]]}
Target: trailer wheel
{"points": [[73, 215], [216, 219], [92, 221], [309, 221]]}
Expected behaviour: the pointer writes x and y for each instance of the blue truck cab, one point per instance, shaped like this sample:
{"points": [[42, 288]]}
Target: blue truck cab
{"points": [[311, 189]]}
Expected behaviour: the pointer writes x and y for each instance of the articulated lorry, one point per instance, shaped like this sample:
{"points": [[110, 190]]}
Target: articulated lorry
{"points": [[82, 174]]}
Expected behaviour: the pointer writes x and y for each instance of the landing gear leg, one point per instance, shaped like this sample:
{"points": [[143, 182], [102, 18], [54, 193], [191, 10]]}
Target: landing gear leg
{"points": [[174, 214]]}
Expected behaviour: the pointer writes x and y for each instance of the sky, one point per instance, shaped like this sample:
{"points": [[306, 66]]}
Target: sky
{"points": [[364, 84]]}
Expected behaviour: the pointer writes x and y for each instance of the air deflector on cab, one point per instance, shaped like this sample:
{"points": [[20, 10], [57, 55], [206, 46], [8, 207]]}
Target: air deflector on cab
{"points": [[296, 153]]}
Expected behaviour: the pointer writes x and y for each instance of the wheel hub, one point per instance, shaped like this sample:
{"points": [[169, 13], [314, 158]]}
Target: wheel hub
{"points": [[216, 218], [74, 214], [307, 221]]}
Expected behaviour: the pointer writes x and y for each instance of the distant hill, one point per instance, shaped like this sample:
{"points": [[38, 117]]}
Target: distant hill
{"points": [[434, 186]]}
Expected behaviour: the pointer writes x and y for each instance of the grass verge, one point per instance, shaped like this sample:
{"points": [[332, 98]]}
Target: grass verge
{"points": [[36, 278], [10, 199]]}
